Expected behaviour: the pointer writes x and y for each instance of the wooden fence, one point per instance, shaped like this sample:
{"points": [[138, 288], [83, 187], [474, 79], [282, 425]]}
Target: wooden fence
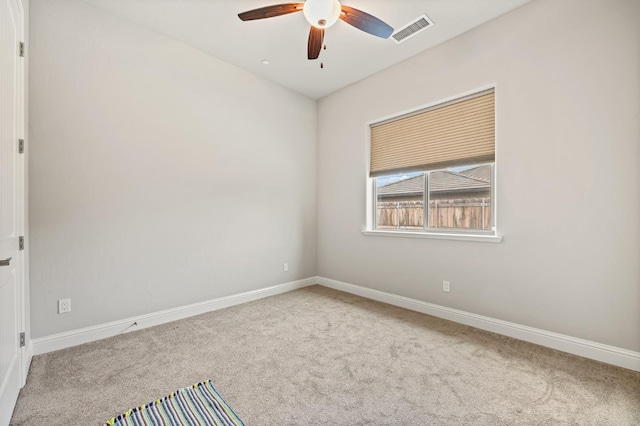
{"points": [[468, 213]]}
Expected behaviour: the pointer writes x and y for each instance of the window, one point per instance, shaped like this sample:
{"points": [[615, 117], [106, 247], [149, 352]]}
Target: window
{"points": [[458, 199], [433, 171]]}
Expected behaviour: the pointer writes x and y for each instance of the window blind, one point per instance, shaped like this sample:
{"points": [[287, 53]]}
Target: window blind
{"points": [[454, 133]]}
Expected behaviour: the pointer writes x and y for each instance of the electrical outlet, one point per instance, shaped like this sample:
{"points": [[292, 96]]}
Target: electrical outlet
{"points": [[446, 286], [285, 267], [64, 306]]}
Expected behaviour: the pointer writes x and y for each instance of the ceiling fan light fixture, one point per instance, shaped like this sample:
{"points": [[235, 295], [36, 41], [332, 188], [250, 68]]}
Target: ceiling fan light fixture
{"points": [[322, 13]]}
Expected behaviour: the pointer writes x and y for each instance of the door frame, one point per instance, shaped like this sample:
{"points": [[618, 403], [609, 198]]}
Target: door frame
{"points": [[26, 352]]}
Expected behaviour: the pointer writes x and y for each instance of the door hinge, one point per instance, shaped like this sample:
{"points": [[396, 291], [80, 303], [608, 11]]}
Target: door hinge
{"points": [[21, 49], [21, 146], [21, 243], [22, 338]]}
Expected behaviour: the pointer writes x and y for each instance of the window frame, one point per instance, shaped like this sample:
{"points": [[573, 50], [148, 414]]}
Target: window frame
{"points": [[426, 198]]}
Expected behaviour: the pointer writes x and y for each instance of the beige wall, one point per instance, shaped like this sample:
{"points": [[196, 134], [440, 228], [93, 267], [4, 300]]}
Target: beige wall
{"points": [[567, 77], [160, 176], [143, 195]]}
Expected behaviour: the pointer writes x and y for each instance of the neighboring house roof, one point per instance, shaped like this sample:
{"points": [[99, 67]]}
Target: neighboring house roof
{"points": [[482, 172], [476, 179]]}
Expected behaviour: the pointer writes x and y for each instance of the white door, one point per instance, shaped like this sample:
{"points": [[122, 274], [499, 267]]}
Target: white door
{"points": [[11, 205]]}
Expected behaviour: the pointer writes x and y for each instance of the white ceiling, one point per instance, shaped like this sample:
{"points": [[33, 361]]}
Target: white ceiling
{"points": [[213, 26]]}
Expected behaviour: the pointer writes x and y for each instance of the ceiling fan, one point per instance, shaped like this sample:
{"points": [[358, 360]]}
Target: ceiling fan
{"points": [[322, 14]]}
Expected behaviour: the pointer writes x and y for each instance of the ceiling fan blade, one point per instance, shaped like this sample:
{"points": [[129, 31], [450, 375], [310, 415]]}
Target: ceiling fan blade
{"points": [[316, 37], [365, 22], [271, 11]]}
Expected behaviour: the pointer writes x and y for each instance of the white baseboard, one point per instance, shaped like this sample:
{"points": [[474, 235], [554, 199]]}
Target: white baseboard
{"points": [[67, 339], [585, 348]]}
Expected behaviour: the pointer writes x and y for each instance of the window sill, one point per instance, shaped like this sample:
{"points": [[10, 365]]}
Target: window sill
{"points": [[436, 236]]}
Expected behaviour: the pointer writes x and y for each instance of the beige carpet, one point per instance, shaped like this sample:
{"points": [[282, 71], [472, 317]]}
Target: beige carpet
{"points": [[321, 357]]}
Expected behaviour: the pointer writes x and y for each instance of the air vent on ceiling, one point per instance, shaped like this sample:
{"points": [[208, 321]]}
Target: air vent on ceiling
{"points": [[412, 28]]}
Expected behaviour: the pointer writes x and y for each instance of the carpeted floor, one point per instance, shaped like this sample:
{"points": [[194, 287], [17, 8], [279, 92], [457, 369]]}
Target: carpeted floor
{"points": [[321, 357]]}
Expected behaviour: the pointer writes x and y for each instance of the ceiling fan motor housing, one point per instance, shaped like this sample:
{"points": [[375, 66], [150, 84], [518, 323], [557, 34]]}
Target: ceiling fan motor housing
{"points": [[322, 13]]}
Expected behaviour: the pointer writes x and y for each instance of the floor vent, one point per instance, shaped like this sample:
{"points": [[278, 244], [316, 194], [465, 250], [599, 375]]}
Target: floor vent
{"points": [[412, 28]]}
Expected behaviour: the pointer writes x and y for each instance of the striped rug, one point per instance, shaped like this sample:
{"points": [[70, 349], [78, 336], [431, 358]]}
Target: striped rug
{"points": [[200, 404]]}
